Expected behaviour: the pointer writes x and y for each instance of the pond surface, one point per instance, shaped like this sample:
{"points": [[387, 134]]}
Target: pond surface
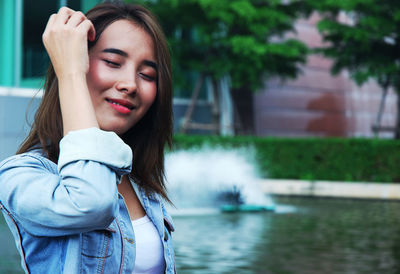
{"points": [[303, 236], [316, 236]]}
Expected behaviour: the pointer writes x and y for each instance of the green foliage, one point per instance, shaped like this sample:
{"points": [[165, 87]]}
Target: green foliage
{"points": [[240, 38], [367, 43], [367, 160]]}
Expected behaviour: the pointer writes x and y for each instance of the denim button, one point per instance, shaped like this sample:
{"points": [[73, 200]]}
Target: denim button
{"points": [[129, 240], [165, 236]]}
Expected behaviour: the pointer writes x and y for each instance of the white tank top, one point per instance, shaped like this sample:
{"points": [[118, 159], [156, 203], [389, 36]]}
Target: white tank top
{"points": [[149, 248]]}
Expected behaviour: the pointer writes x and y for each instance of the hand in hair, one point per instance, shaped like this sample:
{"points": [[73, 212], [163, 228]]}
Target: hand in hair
{"points": [[65, 39]]}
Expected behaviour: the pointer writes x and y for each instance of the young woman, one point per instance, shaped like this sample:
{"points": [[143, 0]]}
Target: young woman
{"points": [[85, 192]]}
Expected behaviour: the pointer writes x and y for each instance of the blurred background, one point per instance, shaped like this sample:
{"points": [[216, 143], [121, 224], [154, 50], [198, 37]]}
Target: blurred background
{"points": [[293, 100]]}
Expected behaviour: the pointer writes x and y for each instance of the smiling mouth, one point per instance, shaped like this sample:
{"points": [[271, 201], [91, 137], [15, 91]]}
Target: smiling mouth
{"points": [[118, 103]]}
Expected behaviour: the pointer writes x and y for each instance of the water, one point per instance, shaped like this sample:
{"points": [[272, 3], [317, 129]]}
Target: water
{"points": [[306, 236], [318, 236], [207, 178]]}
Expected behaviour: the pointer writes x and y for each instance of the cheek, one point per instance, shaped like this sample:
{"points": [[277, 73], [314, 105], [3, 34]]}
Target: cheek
{"points": [[97, 77], [150, 94]]}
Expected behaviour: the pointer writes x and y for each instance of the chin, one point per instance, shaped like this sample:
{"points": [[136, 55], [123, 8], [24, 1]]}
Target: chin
{"points": [[119, 130]]}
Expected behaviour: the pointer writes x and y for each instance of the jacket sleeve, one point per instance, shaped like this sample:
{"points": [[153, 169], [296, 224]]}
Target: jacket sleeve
{"points": [[80, 197]]}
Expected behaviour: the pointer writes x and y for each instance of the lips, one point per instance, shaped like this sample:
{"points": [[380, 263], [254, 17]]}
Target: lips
{"points": [[120, 105]]}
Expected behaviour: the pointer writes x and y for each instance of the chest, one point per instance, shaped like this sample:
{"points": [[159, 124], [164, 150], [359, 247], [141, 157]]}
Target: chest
{"points": [[115, 247]]}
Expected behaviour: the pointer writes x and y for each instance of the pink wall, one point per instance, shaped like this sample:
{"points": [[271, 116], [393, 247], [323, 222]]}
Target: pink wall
{"points": [[317, 103]]}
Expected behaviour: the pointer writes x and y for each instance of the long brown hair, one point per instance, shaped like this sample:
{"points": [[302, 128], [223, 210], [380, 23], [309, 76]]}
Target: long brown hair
{"points": [[150, 135]]}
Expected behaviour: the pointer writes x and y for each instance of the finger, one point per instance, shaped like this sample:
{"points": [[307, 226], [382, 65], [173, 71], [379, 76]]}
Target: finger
{"points": [[51, 21], [76, 18], [49, 25], [63, 15], [87, 27]]}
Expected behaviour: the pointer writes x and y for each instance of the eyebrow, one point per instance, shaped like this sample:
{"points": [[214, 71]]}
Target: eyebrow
{"points": [[124, 54], [116, 51], [150, 64]]}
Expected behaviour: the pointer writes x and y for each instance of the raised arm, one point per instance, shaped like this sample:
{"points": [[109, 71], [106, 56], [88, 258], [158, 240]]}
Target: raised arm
{"points": [[78, 194], [66, 41]]}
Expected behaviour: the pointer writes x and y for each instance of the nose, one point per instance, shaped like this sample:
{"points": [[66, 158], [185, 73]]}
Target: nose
{"points": [[127, 83]]}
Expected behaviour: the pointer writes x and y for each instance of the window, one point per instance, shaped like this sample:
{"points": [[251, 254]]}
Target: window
{"points": [[34, 58]]}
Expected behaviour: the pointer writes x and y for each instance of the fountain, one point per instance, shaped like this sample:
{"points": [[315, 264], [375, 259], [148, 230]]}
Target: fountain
{"points": [[213, 179]]}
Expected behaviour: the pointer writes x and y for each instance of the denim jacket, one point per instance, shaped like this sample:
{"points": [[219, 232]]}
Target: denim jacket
{"points": [[69, 217]]}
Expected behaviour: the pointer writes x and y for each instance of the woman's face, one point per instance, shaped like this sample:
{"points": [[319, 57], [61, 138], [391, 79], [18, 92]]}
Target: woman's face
{"points": [[122, 77]]}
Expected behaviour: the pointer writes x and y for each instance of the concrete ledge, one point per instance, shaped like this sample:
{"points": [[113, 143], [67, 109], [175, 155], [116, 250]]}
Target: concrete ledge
{"points": [[387, 191], [20, 92]]}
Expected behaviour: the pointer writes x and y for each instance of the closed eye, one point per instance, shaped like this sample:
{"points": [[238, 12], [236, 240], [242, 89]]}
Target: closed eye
{"points": [[147, 77], [111, 63]]}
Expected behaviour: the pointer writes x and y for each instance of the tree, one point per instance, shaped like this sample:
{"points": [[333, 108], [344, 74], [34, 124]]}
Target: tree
{"points": [[242, 39], [367, 44]]}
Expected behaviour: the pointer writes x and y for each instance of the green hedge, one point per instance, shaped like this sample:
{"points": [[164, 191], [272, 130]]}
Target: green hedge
{"points": [[366, 160]]}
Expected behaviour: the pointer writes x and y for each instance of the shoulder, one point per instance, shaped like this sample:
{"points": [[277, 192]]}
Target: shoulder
{"points": [[34, 158]]}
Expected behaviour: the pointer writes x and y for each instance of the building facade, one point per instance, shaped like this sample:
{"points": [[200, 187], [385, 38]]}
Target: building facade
{"points": [[319, 104], [315, 104]]}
